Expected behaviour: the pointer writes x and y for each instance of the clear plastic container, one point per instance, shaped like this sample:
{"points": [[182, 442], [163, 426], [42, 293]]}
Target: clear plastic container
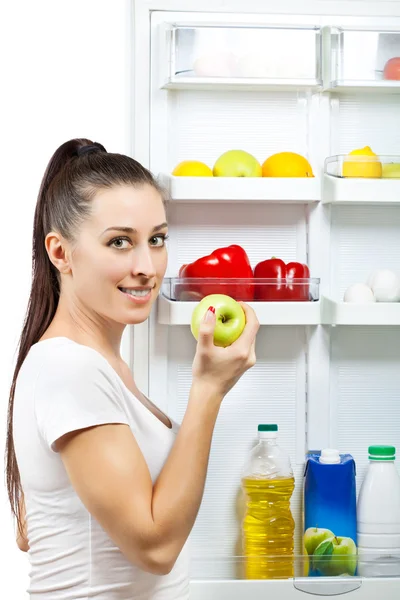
{"points": [[379, 166], [378, 515], [268, 524], [193, 289]]}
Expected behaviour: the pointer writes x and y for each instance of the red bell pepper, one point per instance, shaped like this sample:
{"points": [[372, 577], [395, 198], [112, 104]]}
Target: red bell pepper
{"points": [[230, 262], [283, 286]]}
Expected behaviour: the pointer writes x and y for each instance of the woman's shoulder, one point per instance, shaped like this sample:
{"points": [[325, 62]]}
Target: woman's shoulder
{"points": [[61, 359]]}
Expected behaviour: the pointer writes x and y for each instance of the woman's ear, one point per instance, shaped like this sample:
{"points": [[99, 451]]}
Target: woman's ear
{"points": [[58, 252]]}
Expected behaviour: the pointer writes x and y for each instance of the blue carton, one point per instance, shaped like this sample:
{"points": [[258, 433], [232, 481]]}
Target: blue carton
{"points": [[330, 514]]}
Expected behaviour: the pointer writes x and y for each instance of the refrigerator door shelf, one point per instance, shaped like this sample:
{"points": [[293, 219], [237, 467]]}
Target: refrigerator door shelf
{"points": [[289, 190], [347, 313], [222, 578], [362, 59], [268, 313], [296, 589], [241, 57], [357, 179]]}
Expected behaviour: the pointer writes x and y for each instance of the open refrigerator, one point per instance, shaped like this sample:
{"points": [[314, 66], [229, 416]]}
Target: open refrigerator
{"points": [[305, 77]]}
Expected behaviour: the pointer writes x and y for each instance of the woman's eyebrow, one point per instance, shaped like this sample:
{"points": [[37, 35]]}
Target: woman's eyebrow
{"points": [[132, 230]]}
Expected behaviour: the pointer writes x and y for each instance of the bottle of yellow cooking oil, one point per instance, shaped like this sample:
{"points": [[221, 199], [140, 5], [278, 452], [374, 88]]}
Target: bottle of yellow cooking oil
{"points": [[268, 524]]}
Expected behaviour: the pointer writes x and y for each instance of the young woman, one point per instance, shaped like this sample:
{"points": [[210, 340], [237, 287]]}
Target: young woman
{"points": [[104, 486]]}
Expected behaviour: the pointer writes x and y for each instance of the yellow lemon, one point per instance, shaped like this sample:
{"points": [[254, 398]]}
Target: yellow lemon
{"points": [[364, 164], [192, 168], [287, 164]]}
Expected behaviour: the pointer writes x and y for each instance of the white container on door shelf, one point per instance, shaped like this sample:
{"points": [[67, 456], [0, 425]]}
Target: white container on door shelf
{"points": [[179, 295], [359, 59], [242, 189], [205, 57], [352, 179]]}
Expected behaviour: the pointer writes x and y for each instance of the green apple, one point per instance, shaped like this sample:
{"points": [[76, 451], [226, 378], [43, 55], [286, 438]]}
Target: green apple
{"points": [[313, 536], [237, 163], [391, 170], [230, 318], [336, 556]]}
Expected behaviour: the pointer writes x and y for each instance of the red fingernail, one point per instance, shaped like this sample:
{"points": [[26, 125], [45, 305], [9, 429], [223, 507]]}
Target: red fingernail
{"points": [[211, 309]]}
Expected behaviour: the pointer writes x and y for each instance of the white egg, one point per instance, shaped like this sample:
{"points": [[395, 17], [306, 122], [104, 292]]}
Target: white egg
{"points": [[359, 293], [385, 285]]}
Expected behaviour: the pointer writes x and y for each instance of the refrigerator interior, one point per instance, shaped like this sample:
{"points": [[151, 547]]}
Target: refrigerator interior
{"points": [[329, 378]]}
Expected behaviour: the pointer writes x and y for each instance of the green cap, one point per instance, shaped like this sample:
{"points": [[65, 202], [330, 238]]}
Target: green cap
{"points": [[268, 428], [382, 452]]}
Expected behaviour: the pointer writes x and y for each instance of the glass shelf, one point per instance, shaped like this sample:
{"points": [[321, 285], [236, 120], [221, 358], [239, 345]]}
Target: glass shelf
{"points": [[361, 179], [235, 57], [357, 58]]}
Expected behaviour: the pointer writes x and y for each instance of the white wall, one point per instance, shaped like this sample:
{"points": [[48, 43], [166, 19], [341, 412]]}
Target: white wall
{"points": [[65, 73]]}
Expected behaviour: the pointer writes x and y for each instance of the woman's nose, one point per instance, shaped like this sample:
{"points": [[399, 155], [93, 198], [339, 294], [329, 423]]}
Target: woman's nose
{"points": [[143, 263]]}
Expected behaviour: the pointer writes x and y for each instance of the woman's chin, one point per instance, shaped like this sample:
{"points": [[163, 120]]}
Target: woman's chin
{"points": [[140, 315]]}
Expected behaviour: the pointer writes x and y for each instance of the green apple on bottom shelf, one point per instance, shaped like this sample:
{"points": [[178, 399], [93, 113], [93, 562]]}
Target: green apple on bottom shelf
{"points": [[230, 318]]}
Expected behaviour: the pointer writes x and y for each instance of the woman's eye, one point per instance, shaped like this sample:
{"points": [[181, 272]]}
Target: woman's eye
{"points": [[119, 243], [160, 239]]}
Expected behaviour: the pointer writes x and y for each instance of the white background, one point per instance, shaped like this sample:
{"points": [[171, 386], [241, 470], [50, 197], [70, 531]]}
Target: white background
{"points": [[64, 73]]}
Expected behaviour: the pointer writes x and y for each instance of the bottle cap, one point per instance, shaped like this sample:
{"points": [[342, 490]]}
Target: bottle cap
{"points": [[329, 456], [268, 428], [382, 453], [267, 431]]}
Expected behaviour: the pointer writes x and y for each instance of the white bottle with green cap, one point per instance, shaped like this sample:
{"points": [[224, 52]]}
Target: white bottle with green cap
{"points": [[378, 515]]}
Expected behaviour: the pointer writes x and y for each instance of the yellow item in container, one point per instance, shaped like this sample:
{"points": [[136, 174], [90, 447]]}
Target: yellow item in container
{"points": [[287, 164], [364, 164], [192, 168], [268, 528], [268, 524]]}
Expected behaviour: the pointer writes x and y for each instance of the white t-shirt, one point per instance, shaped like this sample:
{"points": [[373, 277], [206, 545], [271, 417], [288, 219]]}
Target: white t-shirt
{"points": [[64, 386]]}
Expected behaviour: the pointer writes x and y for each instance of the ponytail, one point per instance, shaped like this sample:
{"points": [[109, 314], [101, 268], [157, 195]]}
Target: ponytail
{"points": [[42, 304]]}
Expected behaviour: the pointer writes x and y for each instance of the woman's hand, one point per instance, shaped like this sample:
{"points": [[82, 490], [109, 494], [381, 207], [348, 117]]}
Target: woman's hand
{"points": [[220, 368]]}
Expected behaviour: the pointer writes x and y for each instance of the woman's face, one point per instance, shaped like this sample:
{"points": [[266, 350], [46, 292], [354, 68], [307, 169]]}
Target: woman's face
{"points": [[120, 258]]}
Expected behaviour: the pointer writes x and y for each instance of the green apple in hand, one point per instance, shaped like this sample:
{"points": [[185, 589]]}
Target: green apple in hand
{"points": [[336, 556], [313, 536], [230, 318], [237, 163]]}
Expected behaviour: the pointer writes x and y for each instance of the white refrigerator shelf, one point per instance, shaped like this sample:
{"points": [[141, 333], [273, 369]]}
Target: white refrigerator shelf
{"points": [[295, 589], [354, 85], [241, 83], [228, 189], [347, 313], [354, 190], [268, 313], [223, 578], [325, 311]]}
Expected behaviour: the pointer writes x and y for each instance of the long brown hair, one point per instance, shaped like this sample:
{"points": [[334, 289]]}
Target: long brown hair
{"points": [[76, 171]]}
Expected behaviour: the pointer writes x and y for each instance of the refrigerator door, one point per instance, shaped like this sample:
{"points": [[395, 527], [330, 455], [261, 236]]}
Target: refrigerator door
{"points": [[214, 79]]}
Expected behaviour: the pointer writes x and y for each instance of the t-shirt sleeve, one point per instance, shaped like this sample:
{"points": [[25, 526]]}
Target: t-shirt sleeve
{"points": [[74, 392]]}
